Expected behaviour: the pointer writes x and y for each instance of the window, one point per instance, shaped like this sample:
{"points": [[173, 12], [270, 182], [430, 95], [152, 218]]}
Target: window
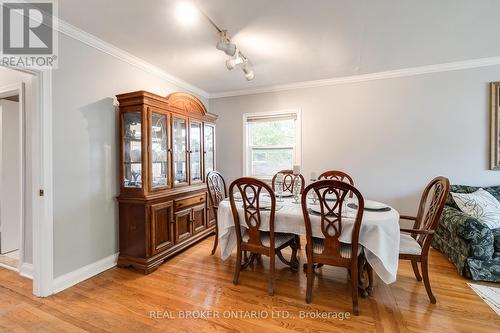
{"points": [[272, 142]]}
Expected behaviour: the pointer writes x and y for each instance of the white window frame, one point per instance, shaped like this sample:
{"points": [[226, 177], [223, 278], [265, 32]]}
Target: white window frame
{"points": [[298, 137]]}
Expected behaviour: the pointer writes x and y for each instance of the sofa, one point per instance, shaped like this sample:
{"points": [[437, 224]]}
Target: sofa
{"points": [[468, 243]]}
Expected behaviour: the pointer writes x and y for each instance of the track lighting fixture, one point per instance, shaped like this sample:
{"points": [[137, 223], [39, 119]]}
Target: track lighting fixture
{"points": [[249, 74], [225, 45], [234, 61], [186, 13], [237, 57]]}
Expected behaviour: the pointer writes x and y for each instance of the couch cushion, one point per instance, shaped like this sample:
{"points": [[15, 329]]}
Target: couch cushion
{"points": [[494, 190], [481, 205], [459, 189]]}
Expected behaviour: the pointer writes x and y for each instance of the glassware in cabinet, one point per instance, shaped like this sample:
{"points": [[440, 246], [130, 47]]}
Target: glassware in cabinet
{"points": [[159, 151], [209, 146], [132, 150], [195, 156], [179, 150]]}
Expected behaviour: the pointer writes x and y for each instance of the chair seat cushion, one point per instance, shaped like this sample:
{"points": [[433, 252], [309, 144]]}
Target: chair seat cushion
{"points": [[408, 245], [265, 238], [345, 249]]}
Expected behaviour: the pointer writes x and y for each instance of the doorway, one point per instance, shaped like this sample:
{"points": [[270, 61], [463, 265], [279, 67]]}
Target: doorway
{"points": [[34, 88], [12, 176]]}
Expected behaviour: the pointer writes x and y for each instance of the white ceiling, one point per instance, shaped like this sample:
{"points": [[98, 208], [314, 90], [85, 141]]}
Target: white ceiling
{"points": [[293, 40]]}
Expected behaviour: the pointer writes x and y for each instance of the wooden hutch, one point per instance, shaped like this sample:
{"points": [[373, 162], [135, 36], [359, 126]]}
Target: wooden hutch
{"points": [[167, 146]]}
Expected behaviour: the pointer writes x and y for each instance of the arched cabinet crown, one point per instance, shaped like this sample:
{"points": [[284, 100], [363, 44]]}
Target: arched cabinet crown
{"points": [[166, 148], [187, 102]]}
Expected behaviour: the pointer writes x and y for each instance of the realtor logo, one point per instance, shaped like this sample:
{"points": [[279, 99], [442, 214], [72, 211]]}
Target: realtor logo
{"points": [[28, 37]]}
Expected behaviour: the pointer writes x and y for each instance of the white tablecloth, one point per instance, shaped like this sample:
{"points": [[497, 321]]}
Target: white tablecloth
{"points": [[379, 234]]}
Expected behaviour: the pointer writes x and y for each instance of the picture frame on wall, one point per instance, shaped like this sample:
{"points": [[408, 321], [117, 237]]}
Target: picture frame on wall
{"points": [[495, 126]]}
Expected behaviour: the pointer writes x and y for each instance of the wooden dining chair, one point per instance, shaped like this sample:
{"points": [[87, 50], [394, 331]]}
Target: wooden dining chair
{"points": [[288, 181], [415, 242], [217, 192], [328, 250], [253, 240], [337, 175]]}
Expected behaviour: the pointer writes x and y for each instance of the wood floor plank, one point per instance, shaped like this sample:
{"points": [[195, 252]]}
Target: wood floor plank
{"points": [[122, 300]]}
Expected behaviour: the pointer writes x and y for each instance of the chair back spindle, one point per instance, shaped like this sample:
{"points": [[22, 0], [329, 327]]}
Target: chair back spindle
{"points": [[288, 181], [337, 175], [216, 187]]}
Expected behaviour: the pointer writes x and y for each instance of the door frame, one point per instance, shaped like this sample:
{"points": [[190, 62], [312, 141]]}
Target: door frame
{"points": [[6, 91], [38, 145]]}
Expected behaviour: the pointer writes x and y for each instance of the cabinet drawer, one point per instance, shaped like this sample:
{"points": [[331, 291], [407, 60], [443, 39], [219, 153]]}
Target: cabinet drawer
{"points": [[186, 202]]}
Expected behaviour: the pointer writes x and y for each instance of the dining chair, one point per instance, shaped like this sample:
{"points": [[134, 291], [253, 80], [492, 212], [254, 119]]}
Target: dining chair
{"points": [[217, 192], [337, 175], [328, 249], [288, 181], [415, 242], [257, 242]]}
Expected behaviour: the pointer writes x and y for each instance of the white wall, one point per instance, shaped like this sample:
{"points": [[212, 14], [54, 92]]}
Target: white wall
{"points": [[85, 150], [391, 135], [9, 77]]}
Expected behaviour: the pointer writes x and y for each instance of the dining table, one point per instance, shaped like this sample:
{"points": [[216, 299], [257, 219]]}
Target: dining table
{"points": [[379, 232]]}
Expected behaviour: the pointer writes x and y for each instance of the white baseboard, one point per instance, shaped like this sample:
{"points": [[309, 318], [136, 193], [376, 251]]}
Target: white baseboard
{"points": [[10, 268], [26, 270], [70, 279]]}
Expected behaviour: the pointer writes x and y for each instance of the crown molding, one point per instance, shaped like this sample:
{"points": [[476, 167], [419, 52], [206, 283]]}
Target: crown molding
{"points": [[97, 43], [411, 71], [93, 41]]}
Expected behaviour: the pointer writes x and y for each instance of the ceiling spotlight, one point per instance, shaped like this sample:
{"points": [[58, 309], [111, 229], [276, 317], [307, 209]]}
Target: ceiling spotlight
{"points": [[186, 13], [233, 62], [249, 74], [226, 46]]}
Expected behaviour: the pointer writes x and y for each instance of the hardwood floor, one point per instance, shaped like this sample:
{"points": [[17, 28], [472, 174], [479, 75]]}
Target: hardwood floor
{"points": [[10, 259], [122, 300]]}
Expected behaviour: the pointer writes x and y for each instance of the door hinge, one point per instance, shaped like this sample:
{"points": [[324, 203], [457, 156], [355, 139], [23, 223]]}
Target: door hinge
{"points": [[42, 193]]}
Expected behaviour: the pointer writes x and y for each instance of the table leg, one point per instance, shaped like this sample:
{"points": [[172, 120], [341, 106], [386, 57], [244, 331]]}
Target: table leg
{"points": [[365, 277], [295, 249], [248, 260]]}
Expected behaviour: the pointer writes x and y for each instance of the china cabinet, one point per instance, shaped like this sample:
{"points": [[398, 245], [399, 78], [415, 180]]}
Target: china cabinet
{"points": [[167, 146]]}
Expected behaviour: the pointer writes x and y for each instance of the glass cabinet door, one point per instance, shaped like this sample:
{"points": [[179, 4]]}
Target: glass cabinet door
{"points": [[195, 157], [132, 149], [209, 133], [179, 150], [159, 156]]}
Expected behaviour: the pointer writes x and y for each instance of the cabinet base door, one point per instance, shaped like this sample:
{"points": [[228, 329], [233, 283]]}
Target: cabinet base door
{"points": [[210, 217], [199, 218], [162, 233], [183, 228]]}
